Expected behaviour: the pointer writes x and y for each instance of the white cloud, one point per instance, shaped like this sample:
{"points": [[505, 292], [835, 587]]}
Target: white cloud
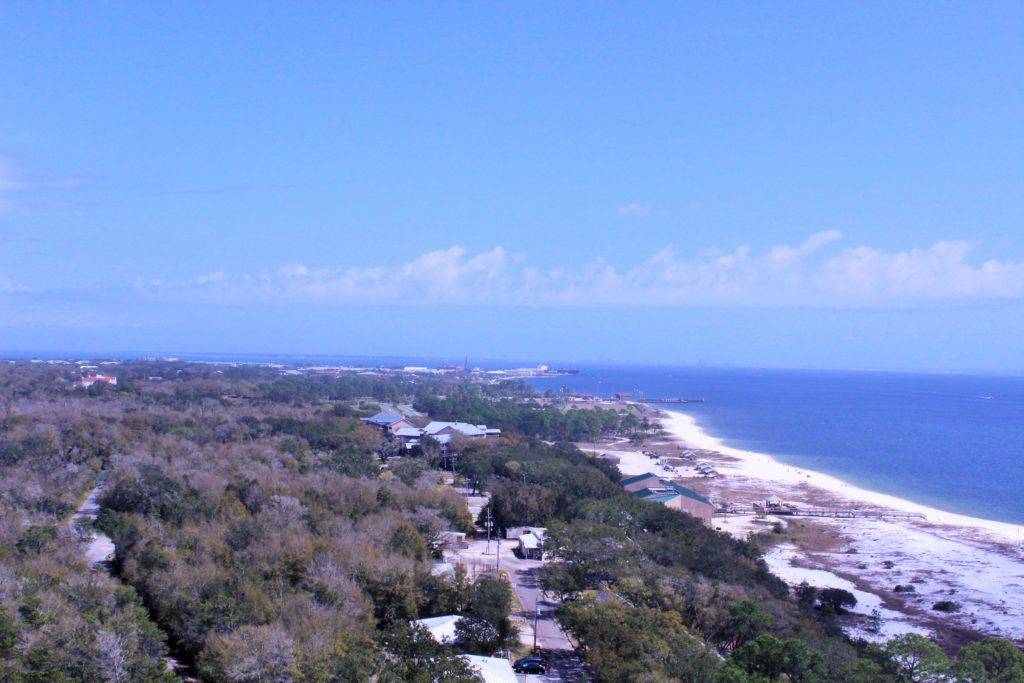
{"points": [[815, 272], [13, 180], [634, 210]]}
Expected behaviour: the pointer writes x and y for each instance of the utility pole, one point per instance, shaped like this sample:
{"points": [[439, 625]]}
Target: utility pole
{"points": [[488, 552], [536, 618], [497, 554]]}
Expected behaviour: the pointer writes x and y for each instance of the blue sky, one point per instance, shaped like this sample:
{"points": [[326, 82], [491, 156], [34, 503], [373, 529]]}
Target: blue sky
{"points": [[799, 184]]}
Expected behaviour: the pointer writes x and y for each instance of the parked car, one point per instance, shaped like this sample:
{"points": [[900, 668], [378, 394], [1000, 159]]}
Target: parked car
{"points": [[533, 664]]}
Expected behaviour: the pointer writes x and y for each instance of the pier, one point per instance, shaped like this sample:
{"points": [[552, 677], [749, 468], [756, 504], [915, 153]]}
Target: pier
{"points": [[669, 400], [839, 513]]}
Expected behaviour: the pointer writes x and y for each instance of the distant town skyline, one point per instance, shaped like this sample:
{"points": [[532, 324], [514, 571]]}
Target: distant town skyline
{"points": [[814, 186]]}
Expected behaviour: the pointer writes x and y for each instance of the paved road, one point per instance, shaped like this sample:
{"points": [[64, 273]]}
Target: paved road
{"points": [[565, 666], [524, 576], [537, 609]]}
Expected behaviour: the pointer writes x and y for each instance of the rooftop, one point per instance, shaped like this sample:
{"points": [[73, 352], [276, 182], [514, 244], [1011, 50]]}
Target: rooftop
{"points": [[462, 427], [492, 669], [638, 477], [442, 628], [384, 418]]}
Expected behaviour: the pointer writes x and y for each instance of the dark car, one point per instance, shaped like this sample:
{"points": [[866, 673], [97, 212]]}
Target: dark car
{"points": [[530, 665]]}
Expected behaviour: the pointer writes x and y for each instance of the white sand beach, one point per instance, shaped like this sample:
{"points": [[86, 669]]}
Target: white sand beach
{"points": [[762, 466], [977, 563]]}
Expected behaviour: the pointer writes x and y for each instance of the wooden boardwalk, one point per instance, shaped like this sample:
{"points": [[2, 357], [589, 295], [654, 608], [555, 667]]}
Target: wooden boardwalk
{"points": [[840, 513]]}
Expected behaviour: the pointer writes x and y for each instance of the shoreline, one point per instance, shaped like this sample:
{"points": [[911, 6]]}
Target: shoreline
{"points": [[899, 568], [764, 466]]}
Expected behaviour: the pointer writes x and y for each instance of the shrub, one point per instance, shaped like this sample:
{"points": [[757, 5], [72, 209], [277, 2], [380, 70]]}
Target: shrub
{"points": [[836, 600], [946, 606]]}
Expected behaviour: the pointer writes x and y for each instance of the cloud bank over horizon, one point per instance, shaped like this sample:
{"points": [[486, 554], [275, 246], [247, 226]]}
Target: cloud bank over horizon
{"points": [[817, 272]]}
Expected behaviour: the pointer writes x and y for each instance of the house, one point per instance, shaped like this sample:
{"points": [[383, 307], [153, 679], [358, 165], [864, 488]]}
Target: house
{"points": [[384, 419], [514, 532], [88, 380], [652, 488], [454, 540], [393, 423], [441, 568], [443, 432], [442, 628], [492, 669], [436, 429], [531, 547], [409, 436]]}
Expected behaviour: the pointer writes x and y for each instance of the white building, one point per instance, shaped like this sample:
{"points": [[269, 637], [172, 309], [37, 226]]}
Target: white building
{"points": [[443, 432], [492, 669], [442, 628]]}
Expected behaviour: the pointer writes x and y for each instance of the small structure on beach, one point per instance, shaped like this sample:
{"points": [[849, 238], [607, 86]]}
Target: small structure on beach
{"points": [[706, 469]]}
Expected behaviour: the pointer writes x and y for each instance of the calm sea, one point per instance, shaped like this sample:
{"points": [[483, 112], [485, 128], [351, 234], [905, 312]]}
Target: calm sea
{"points": [[954, 442]]}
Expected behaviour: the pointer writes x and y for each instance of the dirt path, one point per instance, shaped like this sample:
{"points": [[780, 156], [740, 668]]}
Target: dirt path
{"points": [[99, 548], [99, 551]]}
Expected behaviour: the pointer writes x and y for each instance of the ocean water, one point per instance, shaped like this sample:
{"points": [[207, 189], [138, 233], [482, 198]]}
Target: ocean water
{"points": [[953, 442]]}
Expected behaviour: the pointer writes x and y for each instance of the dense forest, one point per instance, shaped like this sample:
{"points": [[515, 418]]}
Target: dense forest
{"points": [[264, 533], [256, 539]]}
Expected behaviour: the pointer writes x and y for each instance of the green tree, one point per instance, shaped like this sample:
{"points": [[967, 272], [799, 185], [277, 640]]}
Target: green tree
{"points": [[773, 657], [407, 469], [806, 595], [491, 601], [746, 621], [587, 553], [416, 657], [836, 600], [516, 503], [918, 659], [8, 632], [623, 643], [36, 537], [477, 470], [477, 636], [992, 660]]}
